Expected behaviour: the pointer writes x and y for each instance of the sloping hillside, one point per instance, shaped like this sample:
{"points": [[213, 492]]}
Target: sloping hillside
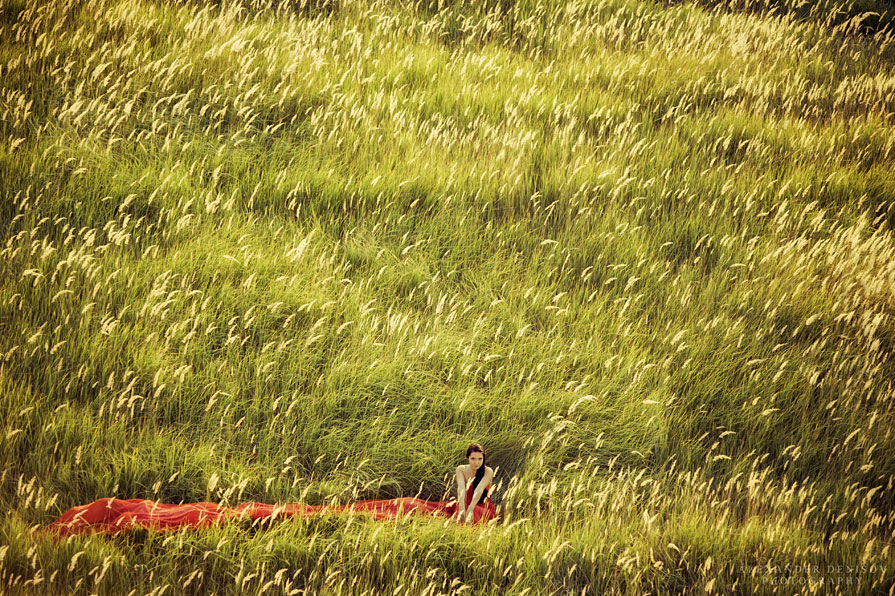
{"points": [[307, 252]]}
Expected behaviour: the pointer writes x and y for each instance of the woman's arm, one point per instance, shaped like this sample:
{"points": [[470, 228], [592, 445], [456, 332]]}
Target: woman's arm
{"points": [[461, 493], [477, 493]]}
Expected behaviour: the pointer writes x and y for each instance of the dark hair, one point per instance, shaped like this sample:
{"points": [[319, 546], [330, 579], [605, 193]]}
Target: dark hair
{"points": [[480, 473]]}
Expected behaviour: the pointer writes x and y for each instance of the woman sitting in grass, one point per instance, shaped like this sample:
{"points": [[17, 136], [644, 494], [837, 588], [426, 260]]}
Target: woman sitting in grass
{"points": [[111, 515], [479, 491]]}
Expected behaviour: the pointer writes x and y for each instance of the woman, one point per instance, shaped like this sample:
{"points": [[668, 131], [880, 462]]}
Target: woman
{"points": [[479, 492], [119, 515]]}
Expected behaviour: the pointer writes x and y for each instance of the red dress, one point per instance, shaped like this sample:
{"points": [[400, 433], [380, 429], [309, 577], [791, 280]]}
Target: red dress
{"points": [[112, 516]]}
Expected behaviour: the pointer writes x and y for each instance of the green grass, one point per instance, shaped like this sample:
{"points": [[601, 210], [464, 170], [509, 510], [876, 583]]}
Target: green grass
{"points": [[309, 251]]}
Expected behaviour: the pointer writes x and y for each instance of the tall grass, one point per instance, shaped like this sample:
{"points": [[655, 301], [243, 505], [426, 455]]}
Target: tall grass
{"points": [[309, 251]]}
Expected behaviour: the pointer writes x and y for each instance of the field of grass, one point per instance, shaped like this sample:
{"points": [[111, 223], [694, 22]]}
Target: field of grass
{"points": [[306, 252]]}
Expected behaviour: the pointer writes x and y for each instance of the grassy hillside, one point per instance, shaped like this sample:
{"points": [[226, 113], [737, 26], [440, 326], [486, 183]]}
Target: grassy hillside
{"points": [[308, 252]]}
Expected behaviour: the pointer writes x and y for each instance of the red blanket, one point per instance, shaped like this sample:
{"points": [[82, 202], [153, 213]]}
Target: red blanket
{"points": [[112, 516]]}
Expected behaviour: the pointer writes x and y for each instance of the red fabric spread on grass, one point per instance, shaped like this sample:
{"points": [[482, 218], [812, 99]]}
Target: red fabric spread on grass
{"points": [[112, 516]]}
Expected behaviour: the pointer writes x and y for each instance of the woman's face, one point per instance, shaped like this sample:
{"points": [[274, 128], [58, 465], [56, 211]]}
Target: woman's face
{"points": [[476, 459]]}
